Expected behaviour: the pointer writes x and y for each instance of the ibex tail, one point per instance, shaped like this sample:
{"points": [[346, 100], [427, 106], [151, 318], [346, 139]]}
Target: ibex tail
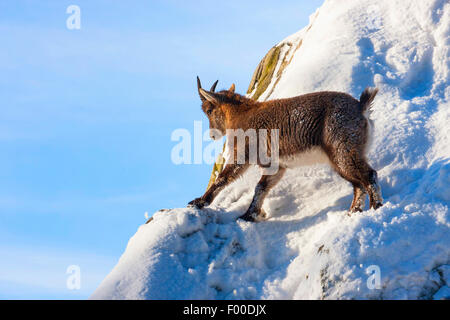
{"points": [[366, 99]]}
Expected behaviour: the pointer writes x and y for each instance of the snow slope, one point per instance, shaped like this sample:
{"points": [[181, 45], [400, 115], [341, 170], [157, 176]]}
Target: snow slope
{"points": [[310, 248]]}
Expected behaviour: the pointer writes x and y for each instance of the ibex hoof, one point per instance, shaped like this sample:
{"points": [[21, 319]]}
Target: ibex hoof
{"points": [[254, 216], [355, 209], [247, 217], [198, 203], [377, 205]]}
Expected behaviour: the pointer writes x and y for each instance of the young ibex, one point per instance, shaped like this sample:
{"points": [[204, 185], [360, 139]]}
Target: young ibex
{"points": [[321, 127]]}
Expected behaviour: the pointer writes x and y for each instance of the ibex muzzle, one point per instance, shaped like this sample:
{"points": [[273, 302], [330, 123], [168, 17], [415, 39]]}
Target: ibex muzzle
{"points": [[321, 127]]}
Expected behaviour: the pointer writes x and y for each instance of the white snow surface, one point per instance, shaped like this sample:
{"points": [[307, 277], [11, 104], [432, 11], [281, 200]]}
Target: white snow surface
{"points": [[310, 248]]}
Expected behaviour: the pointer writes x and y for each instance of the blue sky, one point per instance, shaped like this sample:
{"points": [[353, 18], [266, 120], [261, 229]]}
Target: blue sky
{"points": [[87, 115]]}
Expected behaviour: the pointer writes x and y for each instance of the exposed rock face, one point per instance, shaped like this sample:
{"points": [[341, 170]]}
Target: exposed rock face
{"points": [[264, 73], [271, 67]]}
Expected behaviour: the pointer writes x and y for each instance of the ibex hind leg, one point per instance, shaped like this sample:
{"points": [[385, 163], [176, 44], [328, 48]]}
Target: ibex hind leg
{"points": [[368, 179], [374, 190], [359, 198], [355, 169], [359, 192]]}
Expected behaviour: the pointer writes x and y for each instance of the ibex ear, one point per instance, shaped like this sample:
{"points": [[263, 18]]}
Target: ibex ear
{"points": [[210, 96], [232, 88]]}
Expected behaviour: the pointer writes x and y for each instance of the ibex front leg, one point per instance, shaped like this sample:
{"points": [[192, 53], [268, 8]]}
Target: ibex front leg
{"points": [[230, 173], [267, 182]]}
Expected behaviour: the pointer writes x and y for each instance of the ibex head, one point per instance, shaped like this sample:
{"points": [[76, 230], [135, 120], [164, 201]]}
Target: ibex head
{"points": [[211, 106]]}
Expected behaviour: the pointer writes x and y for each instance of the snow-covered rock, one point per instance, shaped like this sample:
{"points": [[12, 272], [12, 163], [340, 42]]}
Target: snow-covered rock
{"points": [[310, 248]]}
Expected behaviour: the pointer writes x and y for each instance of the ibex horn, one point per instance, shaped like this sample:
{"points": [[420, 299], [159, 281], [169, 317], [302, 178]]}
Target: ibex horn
{"points": [[213, 87], [199, 84]]}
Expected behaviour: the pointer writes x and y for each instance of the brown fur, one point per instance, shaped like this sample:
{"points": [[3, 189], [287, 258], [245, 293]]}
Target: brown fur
{"points": [[332, 122]]}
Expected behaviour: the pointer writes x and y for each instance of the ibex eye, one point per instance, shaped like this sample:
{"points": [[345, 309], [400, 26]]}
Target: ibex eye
{"points": [[209, 111]]}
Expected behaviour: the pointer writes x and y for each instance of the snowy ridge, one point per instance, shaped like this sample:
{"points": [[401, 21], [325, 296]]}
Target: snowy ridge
{"points": [[310, 248]]}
